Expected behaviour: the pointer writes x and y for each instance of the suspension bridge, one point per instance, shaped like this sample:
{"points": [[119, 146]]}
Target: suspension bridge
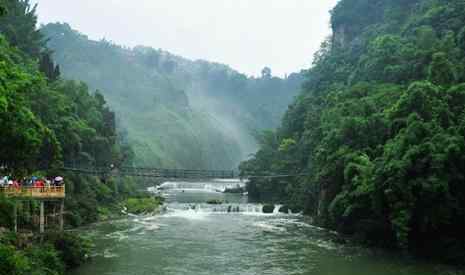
{"points": [[159, 173], [176, 174]]}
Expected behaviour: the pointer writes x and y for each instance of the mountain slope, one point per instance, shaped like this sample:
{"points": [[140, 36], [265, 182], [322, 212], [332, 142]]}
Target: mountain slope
{"points": [[177, 112]]}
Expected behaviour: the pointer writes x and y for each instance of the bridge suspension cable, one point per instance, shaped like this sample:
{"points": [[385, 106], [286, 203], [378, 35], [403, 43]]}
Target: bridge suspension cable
{"points": [[276, 176], [172, 173], [154, 172]]}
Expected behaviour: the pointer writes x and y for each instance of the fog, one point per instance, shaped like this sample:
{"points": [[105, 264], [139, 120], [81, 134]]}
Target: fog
{"points": [[224, 117], [245, 35], [248, 35]]}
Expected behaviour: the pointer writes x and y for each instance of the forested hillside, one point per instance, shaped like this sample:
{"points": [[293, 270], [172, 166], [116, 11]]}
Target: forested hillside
{"points": [[177, 112], [46, 121], [379, 128]]}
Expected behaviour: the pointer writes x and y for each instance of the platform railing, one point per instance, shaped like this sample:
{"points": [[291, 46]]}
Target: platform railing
{"points": [[52, 192]]}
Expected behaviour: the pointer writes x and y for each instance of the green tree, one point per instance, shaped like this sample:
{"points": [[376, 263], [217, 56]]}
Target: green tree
{"points": [[18, 25], [23, 132], [379, 128], [441, 70]]}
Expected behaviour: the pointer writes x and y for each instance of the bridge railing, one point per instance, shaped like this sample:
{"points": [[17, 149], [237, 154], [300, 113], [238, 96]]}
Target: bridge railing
{"points": [[52, 192], [177, 173], [155, 172]]}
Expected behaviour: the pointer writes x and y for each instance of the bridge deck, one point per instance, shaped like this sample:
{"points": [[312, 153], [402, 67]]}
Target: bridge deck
{"points": [[40, 193]]}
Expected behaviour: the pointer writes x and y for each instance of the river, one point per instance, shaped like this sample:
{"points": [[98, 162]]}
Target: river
{"points": [[212, 241]]}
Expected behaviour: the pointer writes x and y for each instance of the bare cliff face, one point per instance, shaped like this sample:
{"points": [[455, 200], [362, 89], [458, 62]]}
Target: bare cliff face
{"points": [[351, 18]]}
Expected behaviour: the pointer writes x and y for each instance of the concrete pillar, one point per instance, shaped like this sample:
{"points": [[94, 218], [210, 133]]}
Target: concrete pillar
{"points": [[62, 211], [42, 217], [15, 215]]}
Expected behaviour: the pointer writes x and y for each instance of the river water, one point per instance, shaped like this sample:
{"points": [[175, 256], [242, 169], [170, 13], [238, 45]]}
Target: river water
{"points": [[211, 240]]}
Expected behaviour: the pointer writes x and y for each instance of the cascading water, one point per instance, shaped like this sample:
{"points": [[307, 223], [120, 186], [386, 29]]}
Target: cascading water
{"points": [[193, 237], [221, 206], [277, 208], [241, 208], [214, 186]]}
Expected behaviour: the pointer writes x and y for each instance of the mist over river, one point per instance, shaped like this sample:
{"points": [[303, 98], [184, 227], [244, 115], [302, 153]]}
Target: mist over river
{"points": [[193, 238]]}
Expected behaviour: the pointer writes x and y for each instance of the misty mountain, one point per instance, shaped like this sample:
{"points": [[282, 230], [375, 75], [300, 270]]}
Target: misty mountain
{"points": [[175, 112]]}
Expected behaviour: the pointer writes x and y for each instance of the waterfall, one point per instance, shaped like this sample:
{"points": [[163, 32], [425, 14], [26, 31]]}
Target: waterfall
{"points": [[277, 208], [211, 186], [181, 193], [226, 208]]}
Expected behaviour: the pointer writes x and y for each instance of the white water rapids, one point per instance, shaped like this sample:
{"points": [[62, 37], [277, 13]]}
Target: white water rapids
{"points": [[192, 237]]}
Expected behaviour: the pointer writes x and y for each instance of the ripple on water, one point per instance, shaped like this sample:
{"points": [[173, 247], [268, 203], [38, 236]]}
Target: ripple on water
{"points": [[197, 242], [187, 214], [328, 245], [266, 226], [118, 235], [107, 253]]}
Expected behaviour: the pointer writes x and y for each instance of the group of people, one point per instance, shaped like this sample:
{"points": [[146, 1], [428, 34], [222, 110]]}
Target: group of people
{"points": [[37, 182]]}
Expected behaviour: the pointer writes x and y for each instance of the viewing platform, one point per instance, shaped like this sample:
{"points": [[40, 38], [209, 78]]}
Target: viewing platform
{"points": [[51, 194], [34, 193]]}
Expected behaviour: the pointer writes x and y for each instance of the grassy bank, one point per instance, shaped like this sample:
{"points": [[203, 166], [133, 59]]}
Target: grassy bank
{"points": [[143, 204]]}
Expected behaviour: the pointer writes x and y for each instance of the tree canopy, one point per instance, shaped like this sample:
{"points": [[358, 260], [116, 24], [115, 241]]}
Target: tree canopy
{"points": [[380, 129]]}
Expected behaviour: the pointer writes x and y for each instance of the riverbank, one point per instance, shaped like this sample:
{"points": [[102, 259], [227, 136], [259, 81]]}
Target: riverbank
{"points": [[377, 243], [143, 203], [50, 254]]}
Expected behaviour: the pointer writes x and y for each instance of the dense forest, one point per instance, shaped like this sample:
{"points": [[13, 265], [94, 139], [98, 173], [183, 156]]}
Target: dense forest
{"points": [[379, 128], [175, 112], [45, 122]]}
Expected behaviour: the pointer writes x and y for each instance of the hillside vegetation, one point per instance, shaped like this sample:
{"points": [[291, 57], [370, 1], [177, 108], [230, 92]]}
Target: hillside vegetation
{"points": [[46, 121], [380, 128], [177, 113]]}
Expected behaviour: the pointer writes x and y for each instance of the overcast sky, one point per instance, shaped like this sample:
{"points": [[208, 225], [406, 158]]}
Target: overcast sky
{"points": [[245, 34]]}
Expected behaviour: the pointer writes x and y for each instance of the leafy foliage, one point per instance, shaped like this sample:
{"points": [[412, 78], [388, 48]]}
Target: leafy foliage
{"points": [[47, 122], [18, 25], [51, 255], [71, 249], [13, 262], [142, 205], [380, 129]]}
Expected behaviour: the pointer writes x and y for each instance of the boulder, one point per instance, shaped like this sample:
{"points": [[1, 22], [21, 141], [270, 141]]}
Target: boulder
{"points": [[284, 209], [214, 201], [268, 208]]}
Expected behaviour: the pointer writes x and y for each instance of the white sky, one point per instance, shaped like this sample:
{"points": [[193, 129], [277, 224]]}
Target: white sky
{"points": [[245, 34]]}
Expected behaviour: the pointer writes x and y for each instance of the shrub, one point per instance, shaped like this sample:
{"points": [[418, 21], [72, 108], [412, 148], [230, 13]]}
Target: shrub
{"points": [[72, 249], [142, 205], [13, 262]]}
